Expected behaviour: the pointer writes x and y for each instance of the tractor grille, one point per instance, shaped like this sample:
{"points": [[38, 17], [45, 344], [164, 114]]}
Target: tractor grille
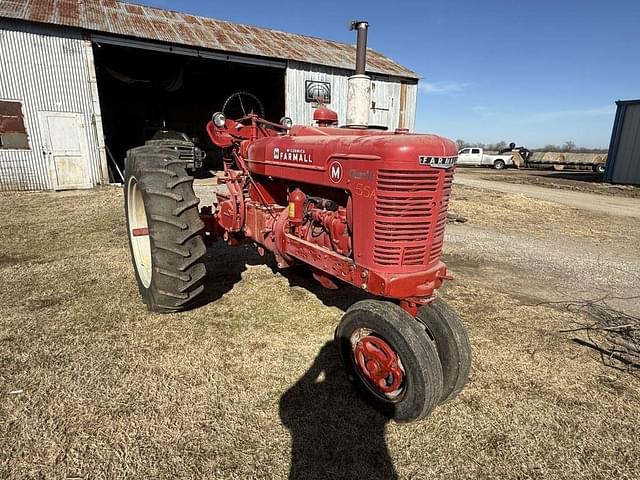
{"points": [[407, 218], [441, 221]]}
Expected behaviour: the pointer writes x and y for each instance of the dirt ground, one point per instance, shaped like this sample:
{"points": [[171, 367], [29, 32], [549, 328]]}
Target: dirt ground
{"points": [[586, 201], [576, 180], [93, 386]]}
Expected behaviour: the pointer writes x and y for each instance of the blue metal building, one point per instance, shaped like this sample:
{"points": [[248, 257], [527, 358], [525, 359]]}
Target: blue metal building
{"points": [[623, 165]]}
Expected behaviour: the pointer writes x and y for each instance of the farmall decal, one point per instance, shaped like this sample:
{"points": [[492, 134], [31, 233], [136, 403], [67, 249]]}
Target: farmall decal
{"points": [[292, 155], [437, 162]]}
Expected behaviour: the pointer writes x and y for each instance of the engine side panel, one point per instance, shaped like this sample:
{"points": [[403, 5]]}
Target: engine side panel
{"points": [[399, 197]]}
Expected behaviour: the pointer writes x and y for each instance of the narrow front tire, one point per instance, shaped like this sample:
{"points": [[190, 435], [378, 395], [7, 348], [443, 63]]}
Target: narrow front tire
{"points": [[391, 358], [454, 349]]}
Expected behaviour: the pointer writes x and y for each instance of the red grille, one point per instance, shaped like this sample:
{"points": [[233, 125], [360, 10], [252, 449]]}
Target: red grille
{"points": [[438, 232], [406, 214]]}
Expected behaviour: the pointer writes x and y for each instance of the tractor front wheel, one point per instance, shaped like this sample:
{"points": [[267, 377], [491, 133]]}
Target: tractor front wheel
{"points": [[164, 229], [391, 358], [454, 349]]}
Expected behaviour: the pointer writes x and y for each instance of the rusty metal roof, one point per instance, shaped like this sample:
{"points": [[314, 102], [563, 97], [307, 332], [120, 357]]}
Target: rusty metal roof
{"points": [[126, 19]]}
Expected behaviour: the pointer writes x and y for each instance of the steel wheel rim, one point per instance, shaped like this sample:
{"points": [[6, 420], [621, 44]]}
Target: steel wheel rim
{"points": [[378, 365], [139, 233]]}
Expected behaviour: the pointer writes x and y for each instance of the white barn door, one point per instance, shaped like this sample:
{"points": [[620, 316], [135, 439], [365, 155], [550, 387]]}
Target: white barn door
{"points": [[65, 146], [381, 105]]}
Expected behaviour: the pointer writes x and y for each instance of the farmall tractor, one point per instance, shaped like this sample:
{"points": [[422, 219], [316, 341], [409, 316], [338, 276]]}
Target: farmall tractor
{"points": [[358, 206]]}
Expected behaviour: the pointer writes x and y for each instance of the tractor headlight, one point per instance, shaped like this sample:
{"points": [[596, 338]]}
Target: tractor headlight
{"points": [[219, 119], [286, 122]]}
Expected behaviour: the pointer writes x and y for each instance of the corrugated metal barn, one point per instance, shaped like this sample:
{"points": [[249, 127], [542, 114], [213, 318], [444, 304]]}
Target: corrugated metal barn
{"points": [[623, 165], [82, 81]]}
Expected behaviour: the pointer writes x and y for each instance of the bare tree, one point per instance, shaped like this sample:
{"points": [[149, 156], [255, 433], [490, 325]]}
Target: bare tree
{"points": [[461, 143]]}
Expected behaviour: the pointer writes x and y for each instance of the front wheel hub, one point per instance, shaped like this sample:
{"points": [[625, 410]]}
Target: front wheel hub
{"points": [[378, 363]]}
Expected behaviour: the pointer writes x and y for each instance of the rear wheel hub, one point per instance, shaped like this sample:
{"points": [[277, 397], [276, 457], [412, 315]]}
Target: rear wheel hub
{"points": [[139, 232]]}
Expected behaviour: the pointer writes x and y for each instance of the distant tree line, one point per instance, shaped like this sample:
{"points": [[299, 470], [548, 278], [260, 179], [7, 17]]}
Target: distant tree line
{"points": [[568, 146]]}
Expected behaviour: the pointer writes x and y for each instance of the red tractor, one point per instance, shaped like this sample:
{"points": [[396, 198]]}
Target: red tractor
{"points": [[358, 206]]}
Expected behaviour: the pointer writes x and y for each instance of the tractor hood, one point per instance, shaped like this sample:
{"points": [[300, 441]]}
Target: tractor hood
{"points": [[314, 148]]}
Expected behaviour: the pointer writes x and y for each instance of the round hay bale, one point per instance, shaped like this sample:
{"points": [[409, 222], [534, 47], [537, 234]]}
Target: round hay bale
{"points": [[536, 157], [553, 157]]}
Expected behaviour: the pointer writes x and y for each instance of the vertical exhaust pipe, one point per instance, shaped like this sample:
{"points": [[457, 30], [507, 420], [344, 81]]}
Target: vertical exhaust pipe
{"points": [[361, 48], [359, 85]]}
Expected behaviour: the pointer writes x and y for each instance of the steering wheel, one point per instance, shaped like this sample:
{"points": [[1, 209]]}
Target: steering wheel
{"points": [[242, 103]]}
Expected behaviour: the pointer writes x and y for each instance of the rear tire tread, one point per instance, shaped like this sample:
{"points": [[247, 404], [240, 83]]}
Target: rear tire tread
{"points": [[195, 293], [162, 171], [187, 204], [173, 249], [180, 276], [197, 278], [179, 296], [190, 233], [193, 258], [179, 181], [170, 221], [162, 193], [175, 227]]}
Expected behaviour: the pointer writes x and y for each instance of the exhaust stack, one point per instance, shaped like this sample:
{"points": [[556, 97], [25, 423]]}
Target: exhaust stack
{"points": [[362, 27], [359, 85]]}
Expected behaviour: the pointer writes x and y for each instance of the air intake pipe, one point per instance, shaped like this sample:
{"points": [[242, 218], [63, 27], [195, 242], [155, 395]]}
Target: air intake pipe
{"points": [[359, 85]]}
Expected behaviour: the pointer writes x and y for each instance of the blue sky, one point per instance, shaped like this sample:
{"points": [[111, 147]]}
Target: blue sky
{"points": [[535, 72]]}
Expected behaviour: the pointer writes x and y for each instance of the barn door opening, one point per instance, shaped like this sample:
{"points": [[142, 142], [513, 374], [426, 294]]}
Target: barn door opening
{"points": [[143, 92], [65, 147]]}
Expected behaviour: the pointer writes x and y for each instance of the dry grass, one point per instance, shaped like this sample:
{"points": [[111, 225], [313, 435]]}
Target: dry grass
{"points": [[109, 390], [520, 214]]}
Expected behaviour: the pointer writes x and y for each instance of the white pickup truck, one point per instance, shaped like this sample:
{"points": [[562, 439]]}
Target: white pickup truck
{"points": [[476, 156]]}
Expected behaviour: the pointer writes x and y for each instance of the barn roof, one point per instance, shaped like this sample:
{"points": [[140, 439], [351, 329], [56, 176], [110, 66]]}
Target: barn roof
{"points": [[130, 20]]}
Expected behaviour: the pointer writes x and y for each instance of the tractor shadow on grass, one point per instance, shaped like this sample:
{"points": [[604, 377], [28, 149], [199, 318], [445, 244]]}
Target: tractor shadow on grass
{"points": [[334, 433], [225, 265], [343, 297]]}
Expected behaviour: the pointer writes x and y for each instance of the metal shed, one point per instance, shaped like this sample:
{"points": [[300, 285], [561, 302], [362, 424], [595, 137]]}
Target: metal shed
{"points": [[82, 79], [48, 119], [623, 165]]}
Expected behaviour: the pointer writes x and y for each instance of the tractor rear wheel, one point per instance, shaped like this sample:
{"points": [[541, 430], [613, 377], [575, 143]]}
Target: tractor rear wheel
{"points": [[164, 229], [391, 358], [454, 349]]}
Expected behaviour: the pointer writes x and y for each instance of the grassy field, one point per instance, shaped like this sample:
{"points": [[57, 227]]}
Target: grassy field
{"points": [[93, 386]]}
